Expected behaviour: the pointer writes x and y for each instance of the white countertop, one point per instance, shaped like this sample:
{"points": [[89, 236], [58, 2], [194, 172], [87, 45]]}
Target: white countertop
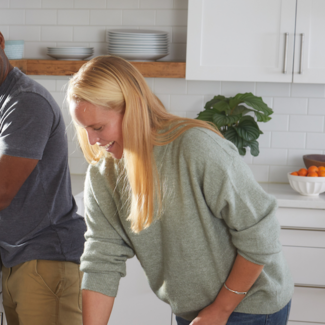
{"points": [[289, 198]]}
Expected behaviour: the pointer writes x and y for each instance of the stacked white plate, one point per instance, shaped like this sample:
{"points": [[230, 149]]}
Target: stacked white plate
{"points": [[70, 53], [137, 44]]}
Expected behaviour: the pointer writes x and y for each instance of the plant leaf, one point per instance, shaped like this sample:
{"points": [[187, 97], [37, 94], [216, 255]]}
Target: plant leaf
{"points": [[222, 106], [221, 119], [233, 136], [254, 147], [213, 101], [248, 129], [241, 110], [253, 101], [262, 117], [206, 115]]}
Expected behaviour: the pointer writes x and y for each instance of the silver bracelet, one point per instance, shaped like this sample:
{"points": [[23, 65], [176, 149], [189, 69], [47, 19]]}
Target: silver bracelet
{"points": [[236, 292]]}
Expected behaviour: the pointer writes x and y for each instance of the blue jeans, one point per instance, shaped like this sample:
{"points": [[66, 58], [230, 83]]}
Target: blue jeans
{"points": [[278, 318]]}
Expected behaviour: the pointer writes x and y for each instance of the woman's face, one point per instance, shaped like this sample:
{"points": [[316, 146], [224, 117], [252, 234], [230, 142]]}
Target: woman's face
{"points": [[103, 126]]}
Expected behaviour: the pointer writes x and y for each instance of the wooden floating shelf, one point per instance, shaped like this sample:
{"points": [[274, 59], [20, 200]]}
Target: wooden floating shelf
{"points": [[68, 68]]}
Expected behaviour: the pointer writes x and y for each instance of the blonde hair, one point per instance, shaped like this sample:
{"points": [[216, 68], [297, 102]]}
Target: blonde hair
{"points": [[114, 83]]}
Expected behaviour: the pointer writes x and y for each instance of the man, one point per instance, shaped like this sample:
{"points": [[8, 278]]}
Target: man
{"points": [[41, 236]]}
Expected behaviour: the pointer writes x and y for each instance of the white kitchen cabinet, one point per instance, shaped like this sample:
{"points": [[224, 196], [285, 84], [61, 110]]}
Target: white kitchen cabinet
{"points": [[253, 40], [309, 66]]}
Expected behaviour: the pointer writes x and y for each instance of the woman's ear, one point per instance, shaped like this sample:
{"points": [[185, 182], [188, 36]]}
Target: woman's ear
{"points": [[2, 41]]}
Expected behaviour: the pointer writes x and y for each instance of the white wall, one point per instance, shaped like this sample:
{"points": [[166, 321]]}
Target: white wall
{"points": [[297, 126]]}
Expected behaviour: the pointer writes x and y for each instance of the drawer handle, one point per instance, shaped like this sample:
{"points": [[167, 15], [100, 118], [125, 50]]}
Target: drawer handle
{"points": [[302, 228], [299, 285], [301, 52]]}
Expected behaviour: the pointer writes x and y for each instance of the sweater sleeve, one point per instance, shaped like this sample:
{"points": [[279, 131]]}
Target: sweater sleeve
{"points": [[105, 253], [234, 196]]}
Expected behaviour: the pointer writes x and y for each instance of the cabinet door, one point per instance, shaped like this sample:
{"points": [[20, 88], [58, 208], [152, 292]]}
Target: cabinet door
{"points": [[240, 40], [310, 42]]}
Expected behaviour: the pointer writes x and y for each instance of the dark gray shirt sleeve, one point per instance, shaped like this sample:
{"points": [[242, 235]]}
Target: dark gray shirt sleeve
{"points": [[26, 126]]}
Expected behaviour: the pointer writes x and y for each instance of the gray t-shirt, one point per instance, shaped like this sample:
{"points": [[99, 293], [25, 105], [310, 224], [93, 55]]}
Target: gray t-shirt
{"points": [[41, 221]]}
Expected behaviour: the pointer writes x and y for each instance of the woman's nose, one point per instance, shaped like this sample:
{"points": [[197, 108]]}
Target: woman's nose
{"points": [[92, 138]]}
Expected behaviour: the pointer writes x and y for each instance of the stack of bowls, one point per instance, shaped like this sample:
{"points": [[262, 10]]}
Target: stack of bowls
{"points": [[137, 44], [14, 50], [70, 53]]}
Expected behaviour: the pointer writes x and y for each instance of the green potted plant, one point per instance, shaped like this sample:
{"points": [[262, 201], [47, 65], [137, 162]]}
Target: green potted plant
{"points": [[235, 121]]}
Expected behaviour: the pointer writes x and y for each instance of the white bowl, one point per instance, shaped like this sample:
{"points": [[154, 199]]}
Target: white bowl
{"points": [[310, 186]]}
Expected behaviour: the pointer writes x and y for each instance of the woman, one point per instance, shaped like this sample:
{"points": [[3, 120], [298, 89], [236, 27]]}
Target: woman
{"points": [[174, 192]]}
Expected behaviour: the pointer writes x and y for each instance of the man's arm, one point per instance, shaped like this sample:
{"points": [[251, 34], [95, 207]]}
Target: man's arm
{"points": [[96, 308], [13, 173]]}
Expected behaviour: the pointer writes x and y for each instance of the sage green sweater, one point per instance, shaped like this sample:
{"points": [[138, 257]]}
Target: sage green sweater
{"points": [[213, 209]]}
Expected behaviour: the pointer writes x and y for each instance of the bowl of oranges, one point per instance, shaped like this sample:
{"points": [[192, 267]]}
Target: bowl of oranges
{"points": [[309, 181]]}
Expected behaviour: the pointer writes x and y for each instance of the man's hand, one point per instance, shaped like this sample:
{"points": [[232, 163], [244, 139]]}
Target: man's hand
{"points": [[13, 173]]}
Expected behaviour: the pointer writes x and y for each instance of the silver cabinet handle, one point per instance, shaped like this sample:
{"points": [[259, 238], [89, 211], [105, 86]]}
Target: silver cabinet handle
{"points": [[301, 52], [302, 228], [312, 286], [286, 37]]}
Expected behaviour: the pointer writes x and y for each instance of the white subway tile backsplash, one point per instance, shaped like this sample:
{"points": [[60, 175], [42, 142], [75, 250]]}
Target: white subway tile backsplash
{"points": [[25, 3], [90, 34], [73, 17], [270, 156], [74, 150], [138, 17], [5, 31], [230, 89], [99, 49], [279, 174], [264, 140], [12, 17], [105, 17], [316, 141], [165, 99], [180, 4], [186, 103], [37, 50], [179, 35], [59, 97], [193, 115], [50, 85], [178, 113], [61, 85], [41, 17], [306, 123], [295, 157], [90, 4], [170, 86], [203, 87], [177, 52], [290, 105], [4, 3], [26, 33], [122, 4], [261, 173], [78, 165], [57, 4], [316, 106], [57, 33], [277, 123], [248, 158], [171, 18], [307, 90], [293, 140], [156, 4], [273, 89]]}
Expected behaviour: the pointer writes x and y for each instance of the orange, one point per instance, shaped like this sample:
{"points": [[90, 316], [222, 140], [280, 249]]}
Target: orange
{"points": [[321, 173], [312, 174], [302, 172], [312, 169], [294, 173], [321, 168]]}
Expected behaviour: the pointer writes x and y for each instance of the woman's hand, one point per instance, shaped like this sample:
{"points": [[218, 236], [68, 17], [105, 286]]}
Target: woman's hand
{"points": [[210, 315]]}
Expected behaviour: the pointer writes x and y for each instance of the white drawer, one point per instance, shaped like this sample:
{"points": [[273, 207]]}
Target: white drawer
{"points": [[302, 238], [307, 265], [301, 218], [308, 305], [304, 323]]}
